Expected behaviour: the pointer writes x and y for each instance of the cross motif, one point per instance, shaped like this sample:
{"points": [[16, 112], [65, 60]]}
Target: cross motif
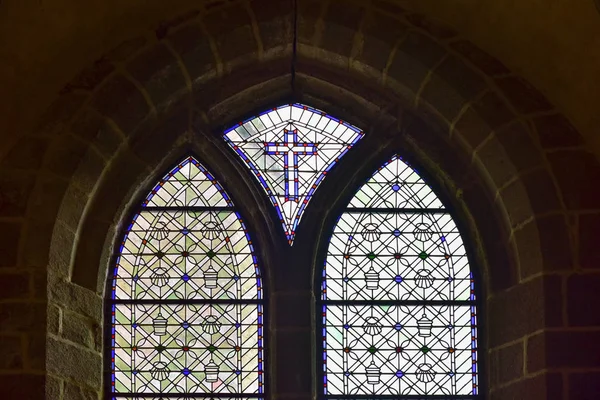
{"points": [[290, 149]]}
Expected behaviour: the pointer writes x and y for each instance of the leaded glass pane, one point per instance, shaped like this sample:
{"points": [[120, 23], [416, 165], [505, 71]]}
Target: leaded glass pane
{"points": [[398, 309], [186, 299], [290, 149]]}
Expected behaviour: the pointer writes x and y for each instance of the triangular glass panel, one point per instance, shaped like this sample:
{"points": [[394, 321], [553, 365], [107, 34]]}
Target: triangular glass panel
{"points": [[396, 185], [290, 150]]}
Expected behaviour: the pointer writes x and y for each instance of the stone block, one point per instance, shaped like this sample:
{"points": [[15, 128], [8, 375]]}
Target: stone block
{"points": [[563, 349], [158, 71], [309, 12], [341, 27], [54, 319], [524, 309], [583, 297], [515, 201], [555, 131], [74, 203], [88, 172], [152, 145], [510, 362], [54, 387], [517, 142], [493, 110], [27, 153], [380, 35], [165, 26], [472, 129], [524, 97], [501, 268], [119, 180], [74, 392], [46, 198], [74, 363], [79, 329], [22, 317], [14, 285], [22, 385], [577, 174], [64, 155], [107, 141], [480, 59], [548, 386], [589, 256], [38, 236], [496, 163], [57, 117], [10, 236], [193, 47], [15, 188], [415, 56], [527, 242], [431, 26], [59, 260], [584, 385], [231, 28], [11, 352], [36, 351], [541, 191], [90, 77], [72, 297], [451, 85], [126, 49], [555, 243], [275, 23], [121, 101]]}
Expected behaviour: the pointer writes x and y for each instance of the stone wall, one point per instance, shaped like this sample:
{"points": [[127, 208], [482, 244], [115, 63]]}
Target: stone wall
{"points": [[519, 175]]}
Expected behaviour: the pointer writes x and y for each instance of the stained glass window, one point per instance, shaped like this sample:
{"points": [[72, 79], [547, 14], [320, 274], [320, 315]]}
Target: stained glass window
{"points": [[186, 296], [290, 149], [398, 302]]}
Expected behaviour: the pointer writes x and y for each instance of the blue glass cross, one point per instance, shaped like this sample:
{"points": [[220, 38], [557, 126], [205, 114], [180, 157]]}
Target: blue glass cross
{"points": [[290, 149]]}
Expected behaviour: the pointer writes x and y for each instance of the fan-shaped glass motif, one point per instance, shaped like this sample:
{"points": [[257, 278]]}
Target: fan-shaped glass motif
{"points": [[186, 296], [290, 149], [398, 298]]}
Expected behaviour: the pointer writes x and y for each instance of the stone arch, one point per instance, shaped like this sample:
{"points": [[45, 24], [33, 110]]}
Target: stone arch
{"points": [[191, 75]]}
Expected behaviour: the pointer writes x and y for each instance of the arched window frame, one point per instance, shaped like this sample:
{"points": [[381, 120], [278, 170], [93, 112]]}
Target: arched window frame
{"points": [[370, 166], [138, 205]]}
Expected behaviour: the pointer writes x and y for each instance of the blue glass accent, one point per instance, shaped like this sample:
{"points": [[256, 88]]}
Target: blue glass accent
{"points": [[398, 326], [186, 371], [399, 374], [395, 187], [396, 232], [185, 277], [398, 279]]}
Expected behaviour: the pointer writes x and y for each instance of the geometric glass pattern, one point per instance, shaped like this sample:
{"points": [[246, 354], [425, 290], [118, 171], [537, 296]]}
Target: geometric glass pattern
{"points": [[186, 300], [290, 149], [398, 299]]}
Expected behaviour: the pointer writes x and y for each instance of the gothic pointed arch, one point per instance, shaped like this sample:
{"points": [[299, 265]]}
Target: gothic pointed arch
{"points": [[290, 149], [398, 300], [185, 300]]}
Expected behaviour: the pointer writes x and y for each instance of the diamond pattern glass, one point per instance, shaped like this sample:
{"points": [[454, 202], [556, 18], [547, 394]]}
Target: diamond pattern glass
{"points": [[398, 299], [186, 296], [290, 150]]}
